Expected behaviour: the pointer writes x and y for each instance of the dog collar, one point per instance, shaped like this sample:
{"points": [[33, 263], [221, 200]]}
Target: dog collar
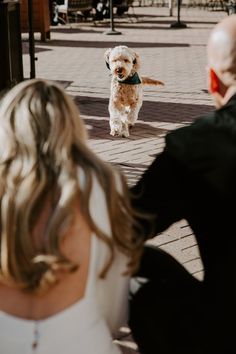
{"points": [[131, 80]]}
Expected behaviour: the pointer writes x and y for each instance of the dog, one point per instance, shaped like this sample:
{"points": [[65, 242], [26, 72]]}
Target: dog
{"points": [[126, 96]]}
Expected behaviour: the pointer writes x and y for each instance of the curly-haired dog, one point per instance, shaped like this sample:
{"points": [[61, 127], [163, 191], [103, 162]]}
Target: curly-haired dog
{"points": [[126, 88]]}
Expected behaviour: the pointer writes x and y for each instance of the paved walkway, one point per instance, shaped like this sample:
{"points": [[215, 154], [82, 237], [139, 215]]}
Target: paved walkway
{"points": [[74, 56]]}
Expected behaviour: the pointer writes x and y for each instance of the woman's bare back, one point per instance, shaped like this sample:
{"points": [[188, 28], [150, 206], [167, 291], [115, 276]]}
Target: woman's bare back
{"points": [[70, 288]]}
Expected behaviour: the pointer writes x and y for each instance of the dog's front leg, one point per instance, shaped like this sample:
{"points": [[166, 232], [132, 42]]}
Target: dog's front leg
{"points": [[133, 112], [116, 121], [125, 129]]}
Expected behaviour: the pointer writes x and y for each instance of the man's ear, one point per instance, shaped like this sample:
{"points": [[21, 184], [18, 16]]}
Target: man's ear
{"points": [[214, 81]]}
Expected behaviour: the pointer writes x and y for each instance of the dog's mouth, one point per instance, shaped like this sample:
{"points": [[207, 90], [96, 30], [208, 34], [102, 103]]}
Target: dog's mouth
{"points": [[121, 76], [120, 73]]}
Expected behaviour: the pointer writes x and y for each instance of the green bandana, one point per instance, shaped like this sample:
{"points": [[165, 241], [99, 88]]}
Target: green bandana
{"points": [[131, 80]]}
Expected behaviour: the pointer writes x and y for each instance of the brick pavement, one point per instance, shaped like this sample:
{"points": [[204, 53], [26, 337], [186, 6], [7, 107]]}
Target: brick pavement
{"points": [[74, 56]]}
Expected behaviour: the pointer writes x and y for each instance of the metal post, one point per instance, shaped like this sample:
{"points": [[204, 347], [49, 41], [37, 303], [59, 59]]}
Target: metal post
{"points": [[31, 40], [178, 23], [170, 5], [112, 27]]}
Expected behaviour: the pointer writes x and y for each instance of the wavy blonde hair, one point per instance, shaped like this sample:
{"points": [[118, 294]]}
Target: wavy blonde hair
{"points": [[43, 147]]}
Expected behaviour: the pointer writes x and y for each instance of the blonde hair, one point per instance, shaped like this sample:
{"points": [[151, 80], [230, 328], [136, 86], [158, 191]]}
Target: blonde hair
{"points": [[43, 148]]}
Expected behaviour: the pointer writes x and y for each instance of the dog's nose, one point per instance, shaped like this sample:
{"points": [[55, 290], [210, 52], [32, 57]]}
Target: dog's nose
{"points": [[119, 70]]}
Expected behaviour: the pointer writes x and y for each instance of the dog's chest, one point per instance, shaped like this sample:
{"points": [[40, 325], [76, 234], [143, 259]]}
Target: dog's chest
{"points": [[126, 93]]}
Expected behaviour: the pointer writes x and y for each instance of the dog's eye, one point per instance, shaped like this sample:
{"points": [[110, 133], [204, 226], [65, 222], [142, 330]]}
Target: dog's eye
{"points": [[126, 61]]}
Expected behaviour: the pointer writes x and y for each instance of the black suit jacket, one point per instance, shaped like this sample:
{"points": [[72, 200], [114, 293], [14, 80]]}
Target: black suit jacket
{"points": [[194, 178]]}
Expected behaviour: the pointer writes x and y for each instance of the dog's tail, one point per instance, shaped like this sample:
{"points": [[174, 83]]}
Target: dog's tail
{"points": [[151, 82]]}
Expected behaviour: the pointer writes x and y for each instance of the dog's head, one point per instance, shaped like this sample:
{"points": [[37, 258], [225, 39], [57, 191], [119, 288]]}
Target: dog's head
{"points": [[122, 61]]}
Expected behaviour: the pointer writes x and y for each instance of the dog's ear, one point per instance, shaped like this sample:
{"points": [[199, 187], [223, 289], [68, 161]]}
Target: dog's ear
{"points": [[106, 57], [136, 62]]}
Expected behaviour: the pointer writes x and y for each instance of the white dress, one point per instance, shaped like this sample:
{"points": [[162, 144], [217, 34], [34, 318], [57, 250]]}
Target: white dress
{"points": [[87, 326]]}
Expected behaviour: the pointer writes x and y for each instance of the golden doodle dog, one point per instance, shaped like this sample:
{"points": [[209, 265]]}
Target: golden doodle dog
{"points": [[126, 88]]}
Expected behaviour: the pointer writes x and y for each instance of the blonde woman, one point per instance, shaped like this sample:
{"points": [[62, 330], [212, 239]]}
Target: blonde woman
{"points": [[66, 243]]}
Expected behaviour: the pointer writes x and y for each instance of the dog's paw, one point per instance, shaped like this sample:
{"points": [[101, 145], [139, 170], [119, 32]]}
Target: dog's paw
{"points": [[112, 132], [125, 134]]}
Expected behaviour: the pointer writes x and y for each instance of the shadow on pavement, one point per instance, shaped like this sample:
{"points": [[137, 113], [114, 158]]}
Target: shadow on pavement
{"points": [[73, 30], [150, 112], [172, 112], [106, 44], [100, 129]]}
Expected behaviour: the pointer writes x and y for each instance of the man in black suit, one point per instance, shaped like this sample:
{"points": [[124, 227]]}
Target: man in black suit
{"points": [[194, 178]]}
